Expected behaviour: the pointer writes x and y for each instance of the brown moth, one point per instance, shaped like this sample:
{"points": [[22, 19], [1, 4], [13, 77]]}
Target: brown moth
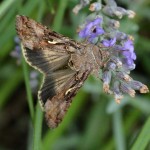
{"points": [[65, 63]]}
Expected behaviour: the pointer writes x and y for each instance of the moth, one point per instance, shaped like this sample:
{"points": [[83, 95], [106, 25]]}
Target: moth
{"points": [[65, 64]]}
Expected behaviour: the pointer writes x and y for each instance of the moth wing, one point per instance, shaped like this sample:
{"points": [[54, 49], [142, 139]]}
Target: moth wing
{"points": [[56, 107], [54, 83], [46, 60]]}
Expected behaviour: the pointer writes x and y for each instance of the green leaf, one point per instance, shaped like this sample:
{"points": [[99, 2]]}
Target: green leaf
{"points": [[144, 137]]}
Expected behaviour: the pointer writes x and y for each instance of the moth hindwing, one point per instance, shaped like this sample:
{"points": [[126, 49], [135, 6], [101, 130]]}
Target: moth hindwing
{"points": [[64, 63]]}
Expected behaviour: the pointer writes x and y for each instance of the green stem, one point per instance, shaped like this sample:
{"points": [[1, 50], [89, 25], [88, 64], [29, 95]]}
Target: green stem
{"points": [[59, 15], [38, 128], [118, 131]]}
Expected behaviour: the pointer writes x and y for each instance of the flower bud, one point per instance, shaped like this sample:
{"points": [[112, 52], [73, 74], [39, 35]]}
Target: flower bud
{"points": [[118, 98], [117, 94], [111, 66], [117, 61], [125, 88], [113, 23], [120, 12], [123, 76], [76, 9], [131, 14], [144, 89], [106, 77], [116, 24], [120, 35], [136, 85], [95, 6], [108, 11], [111, 3]]}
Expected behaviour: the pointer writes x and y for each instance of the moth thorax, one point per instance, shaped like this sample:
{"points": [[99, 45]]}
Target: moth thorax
{"points": [[75, 62]]}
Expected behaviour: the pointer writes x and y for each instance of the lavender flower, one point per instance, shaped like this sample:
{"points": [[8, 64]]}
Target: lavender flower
{"points": [[109, 43], [111, 66], [120, 35], [106, 79], [111, 9], [82, 4], [125, 88], [92, 30], [128, 45], [116, 71], [34, 75], [128, 53], [16, 53], [117, 93], [95, 6]]}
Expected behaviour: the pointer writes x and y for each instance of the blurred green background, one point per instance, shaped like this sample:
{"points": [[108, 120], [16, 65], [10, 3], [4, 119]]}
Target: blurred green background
{"points": [[94, 121]]}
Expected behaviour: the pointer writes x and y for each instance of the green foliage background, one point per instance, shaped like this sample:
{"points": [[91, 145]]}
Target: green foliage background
{"points": [[94, 121]]}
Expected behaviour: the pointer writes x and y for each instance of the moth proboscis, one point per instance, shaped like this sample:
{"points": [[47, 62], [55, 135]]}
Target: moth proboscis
{"points": [[65, 64]]}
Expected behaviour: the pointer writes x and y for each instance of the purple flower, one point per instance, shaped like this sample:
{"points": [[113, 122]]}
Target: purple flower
{"points": [[16, 53], [16, 40], [92, 30], [129, 45], [109, 43], [128, 53], [128, 49], [128, 63]]}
